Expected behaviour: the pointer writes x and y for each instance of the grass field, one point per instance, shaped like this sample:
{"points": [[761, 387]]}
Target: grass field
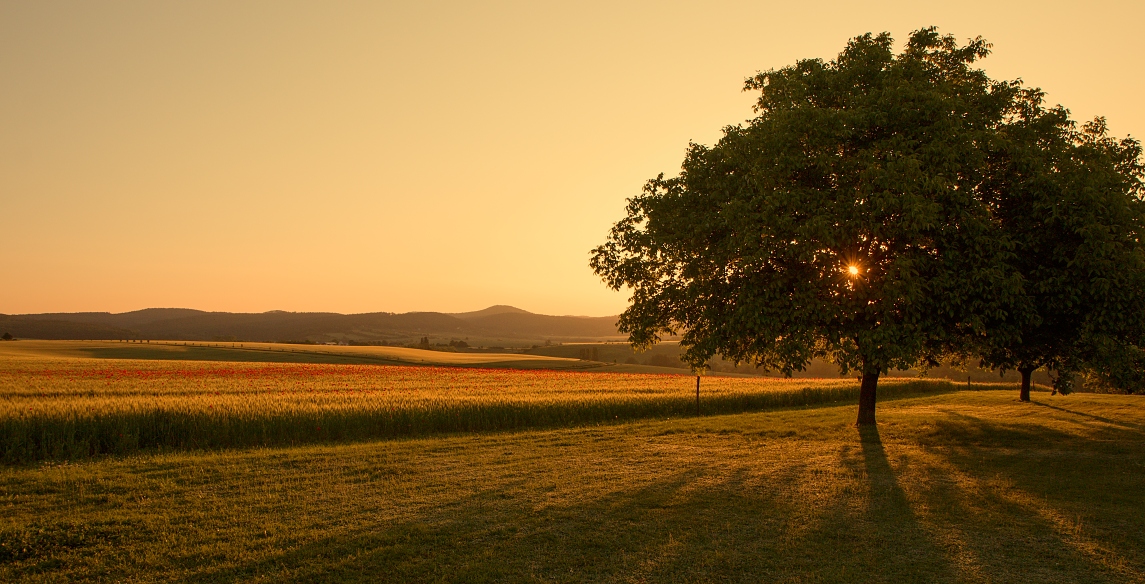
{"points": [[959, 487]]}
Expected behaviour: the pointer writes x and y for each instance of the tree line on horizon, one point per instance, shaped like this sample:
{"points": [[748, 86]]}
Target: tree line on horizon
{"points": [[891, 211]]}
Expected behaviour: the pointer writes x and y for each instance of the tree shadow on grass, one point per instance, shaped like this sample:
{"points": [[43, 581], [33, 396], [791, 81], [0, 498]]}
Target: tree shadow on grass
{"points": [[960, 430], [691, 525], [489, 537], [899, 549], [1029, 502], [734, 529], [1101, 419]]}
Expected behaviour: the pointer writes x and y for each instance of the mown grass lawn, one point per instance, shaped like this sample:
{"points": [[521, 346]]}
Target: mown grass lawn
{"points": [[968, 486]]}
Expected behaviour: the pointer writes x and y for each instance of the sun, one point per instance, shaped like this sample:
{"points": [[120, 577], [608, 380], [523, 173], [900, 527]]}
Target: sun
{"points": [[853, 270]]}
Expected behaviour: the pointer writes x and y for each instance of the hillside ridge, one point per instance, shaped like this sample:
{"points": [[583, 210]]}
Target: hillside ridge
{"points": [[492, 325]]}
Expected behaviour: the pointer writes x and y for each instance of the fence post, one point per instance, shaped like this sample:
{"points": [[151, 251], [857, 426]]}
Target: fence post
{"points": [[697, 395]]}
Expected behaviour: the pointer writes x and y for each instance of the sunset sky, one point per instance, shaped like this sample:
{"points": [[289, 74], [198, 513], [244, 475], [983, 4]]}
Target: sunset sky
{"points": [[400, 156]]}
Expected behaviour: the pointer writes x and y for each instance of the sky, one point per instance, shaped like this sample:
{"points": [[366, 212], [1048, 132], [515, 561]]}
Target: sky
{"points": [[405, 156]]}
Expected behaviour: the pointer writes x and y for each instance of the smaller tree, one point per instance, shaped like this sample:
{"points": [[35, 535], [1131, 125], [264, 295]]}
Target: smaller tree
{"points": [[1070, 202], [7, 337], [1114, 368]]}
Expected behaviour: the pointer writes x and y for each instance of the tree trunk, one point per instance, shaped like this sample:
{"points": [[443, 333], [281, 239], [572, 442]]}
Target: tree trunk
{"points": [[1025, 393], [867, 398]]}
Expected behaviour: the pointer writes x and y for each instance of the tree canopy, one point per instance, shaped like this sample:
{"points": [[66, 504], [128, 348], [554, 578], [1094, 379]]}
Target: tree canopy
{"points": [[1070, 203], [843, 221]]}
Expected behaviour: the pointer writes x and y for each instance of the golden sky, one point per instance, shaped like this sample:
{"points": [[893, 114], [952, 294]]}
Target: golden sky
{"points": [[399, 156]]}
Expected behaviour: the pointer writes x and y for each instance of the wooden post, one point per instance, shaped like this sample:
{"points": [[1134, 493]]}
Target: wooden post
{"points": [[697, 395]]}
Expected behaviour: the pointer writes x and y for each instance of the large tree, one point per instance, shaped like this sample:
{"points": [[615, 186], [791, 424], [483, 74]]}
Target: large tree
{"points": [[843, 221], [1070, 201]]}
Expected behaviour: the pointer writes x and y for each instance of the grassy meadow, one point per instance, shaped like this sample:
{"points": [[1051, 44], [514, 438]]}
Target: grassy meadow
{"points": [[958, 487]]}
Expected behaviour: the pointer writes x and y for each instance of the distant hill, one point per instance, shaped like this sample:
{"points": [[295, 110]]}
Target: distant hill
{"points": [[491, 311], [23, 327], [505, 325], [540, 325]]}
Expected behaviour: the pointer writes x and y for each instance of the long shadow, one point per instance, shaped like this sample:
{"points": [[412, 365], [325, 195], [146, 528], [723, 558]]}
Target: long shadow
{"points": [[959, 429], [1018, 492], [692, 525], [731, 530], [464, 541], [1101, 419], [896, 526]]}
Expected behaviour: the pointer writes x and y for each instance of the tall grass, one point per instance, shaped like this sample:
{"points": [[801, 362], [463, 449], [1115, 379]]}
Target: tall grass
{"points": [[75, 409]]}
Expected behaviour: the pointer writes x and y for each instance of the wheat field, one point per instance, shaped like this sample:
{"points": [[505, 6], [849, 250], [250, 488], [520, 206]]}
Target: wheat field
{"points": [[73, 408]]}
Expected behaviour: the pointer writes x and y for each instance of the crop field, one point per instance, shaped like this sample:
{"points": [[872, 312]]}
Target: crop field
{"points": [[67, 409], [281, 353]]}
